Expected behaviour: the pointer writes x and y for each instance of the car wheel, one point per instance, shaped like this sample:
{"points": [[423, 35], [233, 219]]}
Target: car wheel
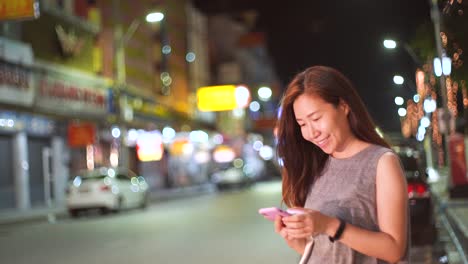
{"points": [[144, 201], [104, 210], [119, 204], [74, 213]]}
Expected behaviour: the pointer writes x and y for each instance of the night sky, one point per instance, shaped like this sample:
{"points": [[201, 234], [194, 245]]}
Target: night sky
{"points": [[344, 34]]}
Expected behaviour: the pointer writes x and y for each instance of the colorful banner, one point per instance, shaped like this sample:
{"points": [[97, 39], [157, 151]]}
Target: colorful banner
{"points": [[19, 9]]}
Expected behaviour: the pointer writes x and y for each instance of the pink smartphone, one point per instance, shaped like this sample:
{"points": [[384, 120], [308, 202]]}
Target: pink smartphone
{"points": [[271, 212]]}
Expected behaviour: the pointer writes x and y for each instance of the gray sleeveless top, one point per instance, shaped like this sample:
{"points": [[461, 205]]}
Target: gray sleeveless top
{"points": [[346, 189]]}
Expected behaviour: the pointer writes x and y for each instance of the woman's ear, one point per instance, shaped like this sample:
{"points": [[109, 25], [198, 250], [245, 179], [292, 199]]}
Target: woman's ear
{"points": [[343, 105]]}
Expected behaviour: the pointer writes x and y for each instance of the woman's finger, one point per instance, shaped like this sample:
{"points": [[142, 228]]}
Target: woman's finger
{"points": [[278, 224]]}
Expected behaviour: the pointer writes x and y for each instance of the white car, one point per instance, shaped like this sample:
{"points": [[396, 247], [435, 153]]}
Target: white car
{"points": [[106, 189]]}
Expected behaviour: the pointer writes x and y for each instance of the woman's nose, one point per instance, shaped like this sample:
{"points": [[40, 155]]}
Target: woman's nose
{"points": [[312, 131]]}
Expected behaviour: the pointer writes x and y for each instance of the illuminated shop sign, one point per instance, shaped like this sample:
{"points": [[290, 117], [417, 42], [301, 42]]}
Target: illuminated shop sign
{"points": [[71, 94], [18, 9], [35, 125], [149, 146], [16, 80]]}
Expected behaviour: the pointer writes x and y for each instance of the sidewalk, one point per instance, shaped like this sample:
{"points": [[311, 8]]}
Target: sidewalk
{"points": [[456, 210], [15, 216]]}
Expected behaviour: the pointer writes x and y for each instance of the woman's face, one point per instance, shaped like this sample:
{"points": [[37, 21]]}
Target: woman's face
{"points": [[322, 123]]}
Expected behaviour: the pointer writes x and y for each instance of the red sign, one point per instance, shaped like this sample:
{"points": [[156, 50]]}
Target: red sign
{"points": [[81, 134], [18, 9], [69, 92], [457, 159]]}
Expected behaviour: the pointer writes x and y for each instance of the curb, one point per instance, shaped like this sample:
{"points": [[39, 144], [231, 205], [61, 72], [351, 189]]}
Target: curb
{"points": [[17, 217]]}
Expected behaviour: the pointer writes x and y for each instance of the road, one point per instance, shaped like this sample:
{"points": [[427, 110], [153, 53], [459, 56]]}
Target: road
{"points": [[214, 228]]}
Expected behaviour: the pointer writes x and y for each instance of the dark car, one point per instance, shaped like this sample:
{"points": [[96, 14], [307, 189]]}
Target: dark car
{"points": [[423, 230]]}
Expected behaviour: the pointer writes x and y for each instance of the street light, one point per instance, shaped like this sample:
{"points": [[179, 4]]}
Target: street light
{"points": [[154, 17], [397, 79], [121, 39], [392, 44]]}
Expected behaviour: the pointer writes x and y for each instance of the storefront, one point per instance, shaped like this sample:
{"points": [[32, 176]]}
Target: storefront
{"points": [[84, 101]]}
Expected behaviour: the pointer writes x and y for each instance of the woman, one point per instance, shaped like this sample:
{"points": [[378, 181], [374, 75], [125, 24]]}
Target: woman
{"points": [[339, 174]]}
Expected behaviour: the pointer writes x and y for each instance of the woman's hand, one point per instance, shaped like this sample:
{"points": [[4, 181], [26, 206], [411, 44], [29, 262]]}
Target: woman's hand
{"points": [[308, 223], [298, 244]]}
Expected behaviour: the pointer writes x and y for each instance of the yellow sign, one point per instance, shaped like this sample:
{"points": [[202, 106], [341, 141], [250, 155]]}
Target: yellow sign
{"points": [[18, 9], [217, 98]]}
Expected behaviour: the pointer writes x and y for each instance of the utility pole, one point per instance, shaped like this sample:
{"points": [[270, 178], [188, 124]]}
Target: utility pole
{"points": [[435, 16]]}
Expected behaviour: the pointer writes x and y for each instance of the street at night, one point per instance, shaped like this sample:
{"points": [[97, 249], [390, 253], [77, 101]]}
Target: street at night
{"points": [[210, 228]]}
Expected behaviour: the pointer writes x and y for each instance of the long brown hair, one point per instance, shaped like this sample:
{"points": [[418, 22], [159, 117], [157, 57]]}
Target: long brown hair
{"points": [[302, 160]]}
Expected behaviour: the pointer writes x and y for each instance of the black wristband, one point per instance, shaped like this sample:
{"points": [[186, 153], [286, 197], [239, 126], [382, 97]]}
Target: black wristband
{"points": [[339, 231]]}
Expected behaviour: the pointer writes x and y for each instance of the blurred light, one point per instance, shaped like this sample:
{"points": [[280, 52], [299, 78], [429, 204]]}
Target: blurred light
{"points": [[264, 93], [433, 175], [437, 67], [420, 137], [399, 100], [238, 163], [134, 181], [416, 98], [421, 130], [168, 133], [257, 145], [114, 157], [430, 105], [218, 98], [166, 49], [188, 149], [77, 181], [202, 157], [198, 136], [397, 79], [90, 157], [420, 80], [190, 57], [242, 96], [238, 113], [149, 146], [280, 109], [115, 189], [134, 188], [421, 133], [107, 181], [115, 132], [111, 172], [254, 106], [379, 132], [401, 112], [223, 154], [425, 121], [266, 152], [10, 122], [218, 139], [132, 135], [446, 66], [154, 17], [389, 44]]}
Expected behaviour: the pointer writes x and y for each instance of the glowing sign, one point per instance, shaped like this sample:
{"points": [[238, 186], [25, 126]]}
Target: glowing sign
{"points": [[18, 9], [222, 97], [149, 146]]}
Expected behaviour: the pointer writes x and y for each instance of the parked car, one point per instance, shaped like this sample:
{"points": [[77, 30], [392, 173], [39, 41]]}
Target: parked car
{"points": [[106, 189], [423, 230], [230, 174]]}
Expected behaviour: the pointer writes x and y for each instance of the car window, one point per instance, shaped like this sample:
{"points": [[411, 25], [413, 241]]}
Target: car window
{"points": [[94, 177], [122, 177]]}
